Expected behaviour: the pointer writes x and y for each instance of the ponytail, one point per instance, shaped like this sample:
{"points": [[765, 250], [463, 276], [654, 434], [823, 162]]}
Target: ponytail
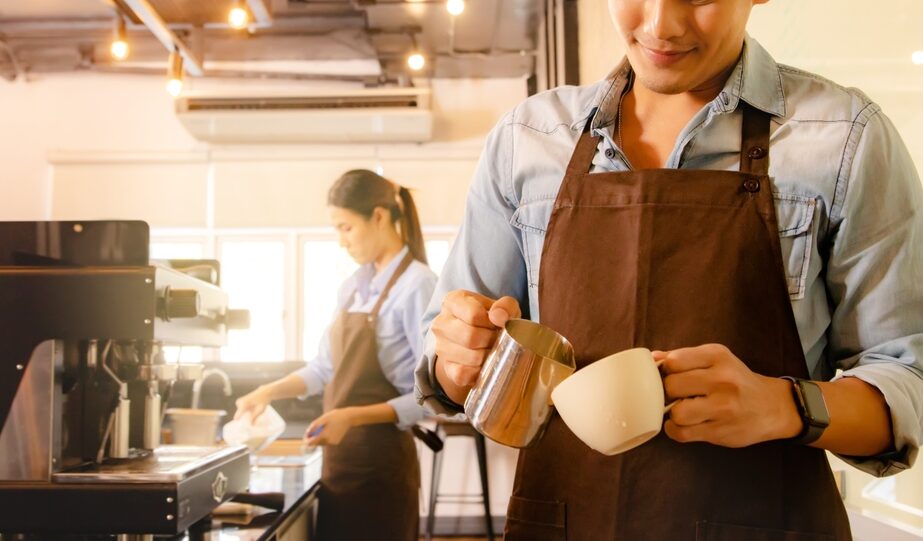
{"points": [[410, 226], [362, 191]]}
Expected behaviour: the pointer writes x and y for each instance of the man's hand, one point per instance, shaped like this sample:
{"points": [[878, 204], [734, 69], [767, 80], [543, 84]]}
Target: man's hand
{"points": [[723, 402], [465, 330]]}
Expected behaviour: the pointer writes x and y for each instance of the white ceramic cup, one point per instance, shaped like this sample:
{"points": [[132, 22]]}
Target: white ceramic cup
{"points": [[614, 404]]}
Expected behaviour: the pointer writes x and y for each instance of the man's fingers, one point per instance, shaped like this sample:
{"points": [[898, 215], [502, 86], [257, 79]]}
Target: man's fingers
{"points": [[687, 384], [468, 307], [691, 412], [686, 359], [454, 353], [462, 375], [504, 309], [460, 333]]}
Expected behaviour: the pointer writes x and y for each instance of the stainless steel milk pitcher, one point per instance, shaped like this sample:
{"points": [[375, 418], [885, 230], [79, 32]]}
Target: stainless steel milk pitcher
{"points": [[511, 401]]}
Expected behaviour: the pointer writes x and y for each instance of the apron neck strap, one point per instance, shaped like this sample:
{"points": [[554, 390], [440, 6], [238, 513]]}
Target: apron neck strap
{"points": [[754, 141], [582, 158], [408, 259]]}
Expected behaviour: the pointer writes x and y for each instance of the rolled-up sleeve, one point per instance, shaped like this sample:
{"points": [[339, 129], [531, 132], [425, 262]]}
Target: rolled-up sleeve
{"points": [[875, 283], [485, 258]]}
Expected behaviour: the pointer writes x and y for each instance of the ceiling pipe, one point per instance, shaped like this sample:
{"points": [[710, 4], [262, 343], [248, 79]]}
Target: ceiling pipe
{"points": [[260, 13], [155, 23]]}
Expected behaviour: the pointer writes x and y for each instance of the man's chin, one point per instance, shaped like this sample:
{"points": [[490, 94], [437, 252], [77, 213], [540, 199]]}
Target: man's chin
{"points": [[661, 83]]}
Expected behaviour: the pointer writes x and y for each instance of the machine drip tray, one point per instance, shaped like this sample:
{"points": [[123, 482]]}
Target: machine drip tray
{"points": [[165, 464], [162, 494]]}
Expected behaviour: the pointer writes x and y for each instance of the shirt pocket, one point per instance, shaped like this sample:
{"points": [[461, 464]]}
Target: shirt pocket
{"points": [[795, 217], [532, 221]]}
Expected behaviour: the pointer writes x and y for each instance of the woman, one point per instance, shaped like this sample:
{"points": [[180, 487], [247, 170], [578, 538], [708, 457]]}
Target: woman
{"points": [[365, 366]]}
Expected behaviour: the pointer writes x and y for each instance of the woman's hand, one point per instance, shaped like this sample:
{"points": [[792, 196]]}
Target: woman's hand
{"points": [[722, 401], [253, 403], [330, 428]]}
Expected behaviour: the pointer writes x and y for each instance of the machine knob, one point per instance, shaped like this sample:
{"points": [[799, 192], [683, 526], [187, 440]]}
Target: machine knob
{"points": [[237, 319], [180, 303]]}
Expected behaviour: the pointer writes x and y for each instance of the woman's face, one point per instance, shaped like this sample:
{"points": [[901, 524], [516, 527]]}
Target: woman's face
{"points": [[363, 238]]}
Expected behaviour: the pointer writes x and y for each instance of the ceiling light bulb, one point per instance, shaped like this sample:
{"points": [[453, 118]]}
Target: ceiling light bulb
{"points": [[175, 74], [238, 17], [416, 61], [174, 87], [455, 7], [119, 49], [917, 58]]}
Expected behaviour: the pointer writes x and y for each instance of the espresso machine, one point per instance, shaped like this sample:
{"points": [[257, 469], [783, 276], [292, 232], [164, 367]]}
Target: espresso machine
{"points": [[84, 318]]}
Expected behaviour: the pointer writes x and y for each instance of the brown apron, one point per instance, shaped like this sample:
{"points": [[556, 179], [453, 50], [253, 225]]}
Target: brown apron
{"points": [[370, 481], [665, 259]]}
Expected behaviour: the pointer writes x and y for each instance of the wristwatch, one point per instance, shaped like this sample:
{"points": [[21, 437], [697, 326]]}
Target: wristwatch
{"points": [[811, 407]]}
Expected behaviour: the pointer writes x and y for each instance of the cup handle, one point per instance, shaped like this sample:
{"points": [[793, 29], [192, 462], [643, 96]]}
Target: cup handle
{"points": [[669, 406]]}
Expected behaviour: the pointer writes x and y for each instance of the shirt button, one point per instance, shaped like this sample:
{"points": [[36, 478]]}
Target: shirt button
{"points": [[725, 99], [610, 153], [756, 153]]}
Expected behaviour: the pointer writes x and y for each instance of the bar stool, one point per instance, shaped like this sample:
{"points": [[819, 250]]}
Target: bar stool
{"points": [[447, 429]]}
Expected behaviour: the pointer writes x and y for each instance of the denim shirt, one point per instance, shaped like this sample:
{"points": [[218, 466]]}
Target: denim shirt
{"points": [[847, 199], [399, 336]]}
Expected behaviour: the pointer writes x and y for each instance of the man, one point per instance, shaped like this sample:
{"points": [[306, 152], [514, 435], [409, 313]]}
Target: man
{"points": [[753, 222]]}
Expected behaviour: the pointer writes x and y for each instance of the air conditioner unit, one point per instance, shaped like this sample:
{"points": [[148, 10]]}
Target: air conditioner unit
{"points": [[347, 116]]}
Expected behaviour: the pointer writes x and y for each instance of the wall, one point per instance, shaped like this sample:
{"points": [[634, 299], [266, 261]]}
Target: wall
{"points": [[113, 145]]}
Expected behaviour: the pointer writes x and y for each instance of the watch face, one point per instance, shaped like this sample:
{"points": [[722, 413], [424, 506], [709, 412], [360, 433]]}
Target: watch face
{"points": [[815, 406]]}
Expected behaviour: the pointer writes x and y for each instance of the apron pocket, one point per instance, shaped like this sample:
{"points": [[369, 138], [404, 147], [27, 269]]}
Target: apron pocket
{"points": [[716, 531], [535, 520], [795, 216]]}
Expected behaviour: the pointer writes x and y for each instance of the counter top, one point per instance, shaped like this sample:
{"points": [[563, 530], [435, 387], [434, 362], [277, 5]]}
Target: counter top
{"points": [[297, 476]]}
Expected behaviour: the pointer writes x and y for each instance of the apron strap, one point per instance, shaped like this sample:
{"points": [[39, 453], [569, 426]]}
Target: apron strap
{"points": [[582, 157], [408, 259], [754, 141]]}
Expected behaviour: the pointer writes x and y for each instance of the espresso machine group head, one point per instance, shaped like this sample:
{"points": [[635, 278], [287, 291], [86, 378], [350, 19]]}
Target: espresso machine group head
{"points": [[84, 318]]}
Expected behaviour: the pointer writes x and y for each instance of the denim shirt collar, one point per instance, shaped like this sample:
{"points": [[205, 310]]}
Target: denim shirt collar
{"points": [[368, 283], [755, 79]]}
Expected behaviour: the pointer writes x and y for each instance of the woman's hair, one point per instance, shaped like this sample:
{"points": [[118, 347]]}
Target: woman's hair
{"points": [[362, 191]]}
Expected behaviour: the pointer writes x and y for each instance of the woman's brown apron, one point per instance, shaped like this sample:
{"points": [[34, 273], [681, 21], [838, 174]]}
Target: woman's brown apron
{"points": [[370, 481], [665, 259]]}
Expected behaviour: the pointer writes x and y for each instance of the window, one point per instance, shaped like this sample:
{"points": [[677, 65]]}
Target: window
{"points": [[325, 267], [253, 275], [180, 249], [261, 272], [437, 251]]}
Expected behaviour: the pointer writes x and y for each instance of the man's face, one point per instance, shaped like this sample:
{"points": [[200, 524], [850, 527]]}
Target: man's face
{"points": [[677, 46]]}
